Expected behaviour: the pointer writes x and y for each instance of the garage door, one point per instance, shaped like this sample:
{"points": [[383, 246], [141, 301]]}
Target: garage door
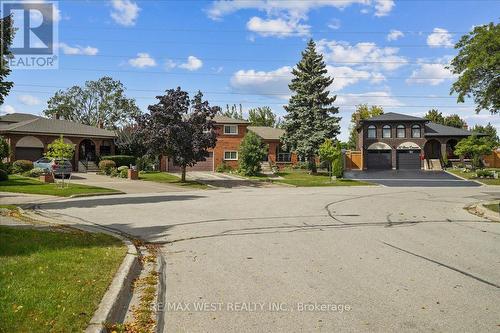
{"points": [[30, 154], [378, 159], [408, 159], [207, 165]]}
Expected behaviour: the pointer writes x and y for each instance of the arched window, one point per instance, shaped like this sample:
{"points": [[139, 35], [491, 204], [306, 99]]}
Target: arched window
{"points": [[386, 131], [401, 131], [415, 131], [372, 132]]}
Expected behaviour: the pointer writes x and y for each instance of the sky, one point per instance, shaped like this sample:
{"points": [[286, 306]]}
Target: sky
{"points": [[390, 53]]}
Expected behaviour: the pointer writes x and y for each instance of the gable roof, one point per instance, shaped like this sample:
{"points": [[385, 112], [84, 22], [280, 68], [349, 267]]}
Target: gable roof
{"points": [[267, 133], [433, 129], [17, 117], [391, 116], [39, 125], [220, 119]]}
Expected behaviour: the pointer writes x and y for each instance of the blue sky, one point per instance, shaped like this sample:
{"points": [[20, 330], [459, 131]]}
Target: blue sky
{"points": [[384, 52]]}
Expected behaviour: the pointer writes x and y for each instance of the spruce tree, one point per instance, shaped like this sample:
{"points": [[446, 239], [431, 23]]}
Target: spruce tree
{"points": [[311, 117]]}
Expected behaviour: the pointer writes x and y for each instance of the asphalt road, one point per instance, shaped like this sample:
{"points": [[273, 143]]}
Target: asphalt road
{"points": [[358, 259]]}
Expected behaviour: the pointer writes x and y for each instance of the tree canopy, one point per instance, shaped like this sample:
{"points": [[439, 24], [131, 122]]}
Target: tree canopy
{"points": [[7, 35], [477, 65], [435, 116], [251, 153], [179, 128], [490, 131], [475, 147], [233, 111], [311, 117], [452, 120], [363, 111], [60, 149], [100, 103], [262, 116]]}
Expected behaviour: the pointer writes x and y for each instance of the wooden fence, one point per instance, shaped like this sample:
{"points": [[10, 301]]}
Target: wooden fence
{"points": [[353, 160], [493, 160]]}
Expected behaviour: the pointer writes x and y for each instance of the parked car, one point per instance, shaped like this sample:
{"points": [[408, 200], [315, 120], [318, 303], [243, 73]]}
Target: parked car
{"points": [[59, 167]]}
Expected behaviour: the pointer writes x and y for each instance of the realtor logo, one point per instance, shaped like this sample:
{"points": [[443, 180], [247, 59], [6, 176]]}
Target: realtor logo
{"points": [[35, 39]]}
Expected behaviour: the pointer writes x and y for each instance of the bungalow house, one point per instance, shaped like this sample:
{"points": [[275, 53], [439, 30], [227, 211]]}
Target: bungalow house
{"points": [[398, 141], [230, 133], [29, 136]]}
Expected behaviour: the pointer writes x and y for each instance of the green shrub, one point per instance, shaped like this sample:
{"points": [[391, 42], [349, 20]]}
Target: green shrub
{"points": [[113, 172], [123, 167], [484, 174], [223, 167], [34, 173], [7, 167], [338, 168], [106, 165], [21, 166], [301, 166], [121, 160], [123, 172], [3, 175], [252, 152]]}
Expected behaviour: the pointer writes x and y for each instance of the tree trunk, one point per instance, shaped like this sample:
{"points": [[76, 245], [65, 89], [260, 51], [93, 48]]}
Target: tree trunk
{"points": [[312, 164], [183, 176]]}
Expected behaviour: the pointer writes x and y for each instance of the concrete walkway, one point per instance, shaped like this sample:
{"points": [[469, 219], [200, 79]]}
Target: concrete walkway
{"points": [[225, 180], [123, 185]]}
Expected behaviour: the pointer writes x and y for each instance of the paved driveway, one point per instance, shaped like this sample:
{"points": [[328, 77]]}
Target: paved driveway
{"points": [[410, 178], [370, 259]]}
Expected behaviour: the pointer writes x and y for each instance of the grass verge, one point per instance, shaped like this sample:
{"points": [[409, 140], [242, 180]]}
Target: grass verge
{"points": [[53, 281], [304, 179], [168, 178], [495, 207], [471, 175], [20, 184]]}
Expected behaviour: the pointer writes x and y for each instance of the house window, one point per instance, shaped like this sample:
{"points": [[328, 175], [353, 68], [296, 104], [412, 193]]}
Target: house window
{"points": [[401, 131], [230, 155], [415, 131], [386, 131], [372, 132], [231, 129]]}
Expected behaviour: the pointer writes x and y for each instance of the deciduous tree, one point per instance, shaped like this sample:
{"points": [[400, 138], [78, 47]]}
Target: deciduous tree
{"points": [[477, 65], [363, 111], [60, 149], [454, 120], [475, 147], [252, 152], [179, 128], [490, 131], [311, 117], [435, 116], [100, 103], [262, 116]]}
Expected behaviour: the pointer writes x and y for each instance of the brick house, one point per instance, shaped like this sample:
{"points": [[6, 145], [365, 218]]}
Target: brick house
{"points": [[29, 136], [230, 133], [398, 141]]}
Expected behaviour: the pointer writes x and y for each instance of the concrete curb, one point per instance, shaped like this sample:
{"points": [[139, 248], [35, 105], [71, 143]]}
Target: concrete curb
{"points": [[485, 212], [99, 194]]}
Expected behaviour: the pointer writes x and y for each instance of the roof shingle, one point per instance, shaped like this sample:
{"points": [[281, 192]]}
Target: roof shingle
{"points": [[267, 133]]}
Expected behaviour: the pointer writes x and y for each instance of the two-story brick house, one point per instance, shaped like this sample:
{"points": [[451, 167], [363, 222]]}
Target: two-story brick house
{"points": [[230, 133], [398, 141]]}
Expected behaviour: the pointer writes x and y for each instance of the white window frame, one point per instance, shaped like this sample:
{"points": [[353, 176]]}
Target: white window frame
{"points": [[229, 133], [230, 159], [398, 128], [419, 131]]}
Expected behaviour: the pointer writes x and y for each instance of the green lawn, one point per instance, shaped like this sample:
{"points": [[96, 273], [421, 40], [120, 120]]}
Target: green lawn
{"points": [[53, 281], [494, 207], [304, 179], [168, 178], [20, 184], [471, 175]]}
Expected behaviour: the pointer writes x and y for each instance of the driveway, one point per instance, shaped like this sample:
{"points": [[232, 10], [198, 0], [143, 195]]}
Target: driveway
{"points": [[410, 178], [123, 185], [369, 259], [225, 180]]}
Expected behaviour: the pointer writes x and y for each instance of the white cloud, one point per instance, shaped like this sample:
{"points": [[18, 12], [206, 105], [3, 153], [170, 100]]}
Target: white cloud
{"points": [[77, 49], [363, 55], [334, 24], [143, 60], [383, 7], [7, 109], [261, 82], [430, 73], [395, 35], [192, 64], [440, 38], [345, 76], [125, 12], [29, 100], [373, 98], [279, 27]]}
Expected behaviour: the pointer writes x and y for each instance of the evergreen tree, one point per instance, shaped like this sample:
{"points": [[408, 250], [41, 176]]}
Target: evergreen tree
{"points": [[310, 117], [6, 35], [435, 116]]}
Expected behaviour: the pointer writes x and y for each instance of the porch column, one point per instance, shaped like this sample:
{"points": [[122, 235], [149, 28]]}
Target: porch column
{"points": [[12, 143], [394, 158], [443, 150], [98, 144]]}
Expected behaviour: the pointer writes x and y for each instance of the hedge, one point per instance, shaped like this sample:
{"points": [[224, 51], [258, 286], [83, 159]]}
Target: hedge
{"points": [[120, 160], [106, 166], [21, 166]]}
